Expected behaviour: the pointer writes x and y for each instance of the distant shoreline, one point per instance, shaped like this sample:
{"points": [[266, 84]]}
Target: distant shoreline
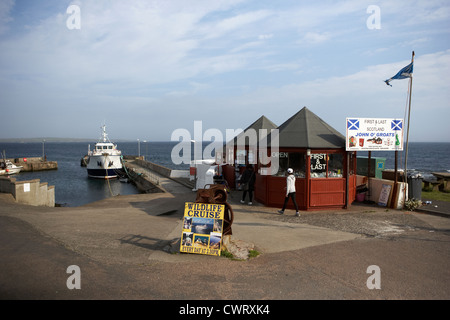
{"points": [[87, 140], [40, 140]]}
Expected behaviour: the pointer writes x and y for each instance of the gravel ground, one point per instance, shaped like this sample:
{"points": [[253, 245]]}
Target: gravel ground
{"points": [[366, 220], [370, 223]]}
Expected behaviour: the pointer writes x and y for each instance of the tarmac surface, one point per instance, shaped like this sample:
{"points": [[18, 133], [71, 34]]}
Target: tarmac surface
{"points": [[122, 248]]}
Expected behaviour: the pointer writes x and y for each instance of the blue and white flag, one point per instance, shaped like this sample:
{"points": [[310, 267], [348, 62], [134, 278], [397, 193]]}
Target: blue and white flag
{"points": [[404, 73], [396, 125]]}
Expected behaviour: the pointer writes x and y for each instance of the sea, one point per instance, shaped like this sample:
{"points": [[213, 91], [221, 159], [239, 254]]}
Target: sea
{"points": [[73, 187]]}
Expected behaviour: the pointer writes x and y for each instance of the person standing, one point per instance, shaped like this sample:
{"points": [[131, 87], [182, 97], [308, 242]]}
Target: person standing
{"points": [[290, 192], [248, 183]]}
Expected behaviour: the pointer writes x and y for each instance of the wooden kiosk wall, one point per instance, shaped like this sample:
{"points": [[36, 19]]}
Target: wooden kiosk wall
{"points": [[311, 193]]}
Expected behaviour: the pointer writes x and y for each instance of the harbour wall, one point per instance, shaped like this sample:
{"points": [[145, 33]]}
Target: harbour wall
{"points": [[31, 192], [147, 176], [34, 164], [164, 171], [143, 183]]}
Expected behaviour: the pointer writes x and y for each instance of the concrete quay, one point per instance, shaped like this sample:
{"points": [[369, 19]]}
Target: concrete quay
{"points": [[122, 247], [35, 164]]}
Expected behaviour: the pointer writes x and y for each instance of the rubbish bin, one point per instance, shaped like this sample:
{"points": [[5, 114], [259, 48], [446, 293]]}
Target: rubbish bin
{"points": [[415, 187]]}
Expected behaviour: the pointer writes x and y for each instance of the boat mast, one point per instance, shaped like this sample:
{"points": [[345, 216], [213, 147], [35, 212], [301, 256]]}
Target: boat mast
{"points": [[104, 134]]}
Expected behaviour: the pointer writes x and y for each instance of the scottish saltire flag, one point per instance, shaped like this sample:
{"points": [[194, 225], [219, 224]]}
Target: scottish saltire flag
{"points": [[353, 124], [404, 73], [396, 124]]}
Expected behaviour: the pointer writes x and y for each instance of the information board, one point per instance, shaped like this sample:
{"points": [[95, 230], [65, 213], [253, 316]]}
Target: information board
{"points": [[202, 228], [374, 134], [384, 195]]}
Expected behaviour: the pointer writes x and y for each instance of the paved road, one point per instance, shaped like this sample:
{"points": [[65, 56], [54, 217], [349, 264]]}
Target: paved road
{"points": [[38, 244]]}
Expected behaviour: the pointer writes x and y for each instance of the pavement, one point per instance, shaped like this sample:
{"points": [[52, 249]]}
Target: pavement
{"points": [[122, 246], [435, 207]]}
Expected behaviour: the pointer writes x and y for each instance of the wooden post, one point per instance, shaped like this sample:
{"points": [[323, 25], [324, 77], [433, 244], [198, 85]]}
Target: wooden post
{"points": [[394, 190]]}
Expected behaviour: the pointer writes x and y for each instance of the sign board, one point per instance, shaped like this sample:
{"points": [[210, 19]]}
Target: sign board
{"points": [[202, 228], [384, 195], [374, 134]]}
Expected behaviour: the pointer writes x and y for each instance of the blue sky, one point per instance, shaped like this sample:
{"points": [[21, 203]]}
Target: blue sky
{"points": [[146, 68]]}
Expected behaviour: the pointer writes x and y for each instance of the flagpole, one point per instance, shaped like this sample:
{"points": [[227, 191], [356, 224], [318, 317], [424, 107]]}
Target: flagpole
{"points": [[407, 130]]}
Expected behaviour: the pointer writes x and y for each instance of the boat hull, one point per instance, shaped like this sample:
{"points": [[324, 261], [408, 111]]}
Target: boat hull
{"points": [[102, 173], [104, 167]]}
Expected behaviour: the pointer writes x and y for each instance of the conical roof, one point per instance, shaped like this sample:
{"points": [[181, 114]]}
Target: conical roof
{"points": [[262, 123], [306, 130]]}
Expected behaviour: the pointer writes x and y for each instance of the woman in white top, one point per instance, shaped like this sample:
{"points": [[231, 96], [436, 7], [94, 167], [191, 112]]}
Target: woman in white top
{"points": [[290, 192]]}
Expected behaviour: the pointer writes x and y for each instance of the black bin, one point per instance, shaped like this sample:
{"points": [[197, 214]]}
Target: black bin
{"points": [[415, 187]]}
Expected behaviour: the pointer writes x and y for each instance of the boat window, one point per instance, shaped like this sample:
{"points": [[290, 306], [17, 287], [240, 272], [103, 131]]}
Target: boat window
{"points": [[105, 147], [109, 147]]}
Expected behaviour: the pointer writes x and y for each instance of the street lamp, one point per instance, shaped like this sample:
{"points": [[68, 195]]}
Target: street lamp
{"points": [[139, 148], [146, 148]]}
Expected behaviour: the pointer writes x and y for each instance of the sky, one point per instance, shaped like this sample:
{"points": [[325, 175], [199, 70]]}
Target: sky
{"points": [[146, 68]]}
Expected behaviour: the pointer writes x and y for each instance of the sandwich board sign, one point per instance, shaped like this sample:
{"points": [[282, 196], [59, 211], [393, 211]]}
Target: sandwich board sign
{"points": [[384, 195], [372, 134], [202, 228]]}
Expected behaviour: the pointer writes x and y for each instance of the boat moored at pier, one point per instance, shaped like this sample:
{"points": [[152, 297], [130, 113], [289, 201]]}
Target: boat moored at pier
{"points": [[105, 161], [7, 168]]}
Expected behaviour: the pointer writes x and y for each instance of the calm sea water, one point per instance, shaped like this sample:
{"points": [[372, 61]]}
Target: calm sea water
{"points": [[72, 185], [424, 157], [74, 188]]}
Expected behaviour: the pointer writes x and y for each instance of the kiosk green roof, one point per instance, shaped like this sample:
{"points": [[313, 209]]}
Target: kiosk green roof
{"points": [[306, 130]]}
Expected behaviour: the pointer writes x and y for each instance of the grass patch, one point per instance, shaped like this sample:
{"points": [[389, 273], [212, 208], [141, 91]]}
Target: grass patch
{"points": [[435, 195], [227, 254], [253, 253]]}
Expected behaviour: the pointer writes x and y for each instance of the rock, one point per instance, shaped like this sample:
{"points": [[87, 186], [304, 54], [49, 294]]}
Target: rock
{"points": [[238, 248]]}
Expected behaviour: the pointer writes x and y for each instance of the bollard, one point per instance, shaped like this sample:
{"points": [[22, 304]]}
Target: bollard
{"points": [[217, 194]]}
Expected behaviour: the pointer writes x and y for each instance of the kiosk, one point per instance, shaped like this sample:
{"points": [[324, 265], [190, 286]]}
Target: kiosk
{"points": [[325, 172]]}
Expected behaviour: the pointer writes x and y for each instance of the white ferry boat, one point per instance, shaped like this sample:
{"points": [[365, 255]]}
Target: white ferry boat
{"points": [[105, 161]]}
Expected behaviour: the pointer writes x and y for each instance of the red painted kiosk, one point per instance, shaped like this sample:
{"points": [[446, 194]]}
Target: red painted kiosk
{"points": [[238, 158], [325, 172]]}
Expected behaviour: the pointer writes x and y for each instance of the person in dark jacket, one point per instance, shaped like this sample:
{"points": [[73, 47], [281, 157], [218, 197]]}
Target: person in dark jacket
{"points": [[248, 183]]}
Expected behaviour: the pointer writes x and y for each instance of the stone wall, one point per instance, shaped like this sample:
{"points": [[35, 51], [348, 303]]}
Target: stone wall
{"points": [[31, 192], [35, 164], [154, 167]]}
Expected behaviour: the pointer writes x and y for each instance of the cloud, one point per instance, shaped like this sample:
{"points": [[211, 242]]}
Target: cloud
{"points": [[194, 59], [364, 94], [265, 36], [236, 22], [5, 10], [315, 38]]}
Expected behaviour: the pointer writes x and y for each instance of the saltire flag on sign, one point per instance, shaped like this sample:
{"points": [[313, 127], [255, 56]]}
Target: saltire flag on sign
{"points": [[404, 73], [396, 124]]}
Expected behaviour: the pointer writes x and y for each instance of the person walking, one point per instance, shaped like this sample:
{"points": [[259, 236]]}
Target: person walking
{"points": [[290, 192], [247, 182]]}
